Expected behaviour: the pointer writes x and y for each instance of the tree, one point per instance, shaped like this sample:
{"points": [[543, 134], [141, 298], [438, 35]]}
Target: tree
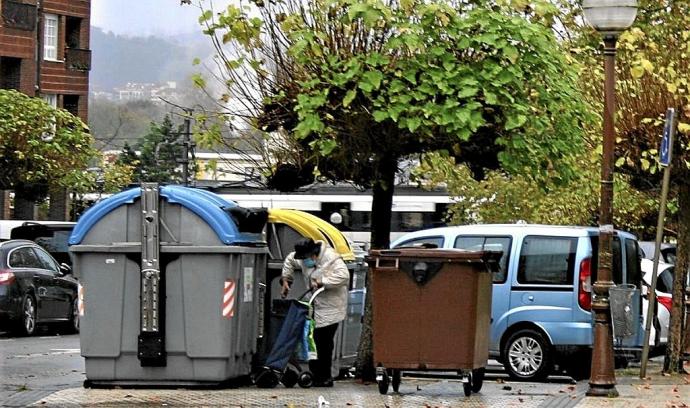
{"points": [[41, 146], [653, 74], [358, 85], [158, 159], [509, 198]]}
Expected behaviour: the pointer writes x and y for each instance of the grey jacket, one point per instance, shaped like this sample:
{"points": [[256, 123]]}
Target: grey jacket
{"points": [[330, 307]]}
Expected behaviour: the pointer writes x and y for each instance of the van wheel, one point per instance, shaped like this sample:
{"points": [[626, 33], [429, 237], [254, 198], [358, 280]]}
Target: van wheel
{"points": [[527, 356]]}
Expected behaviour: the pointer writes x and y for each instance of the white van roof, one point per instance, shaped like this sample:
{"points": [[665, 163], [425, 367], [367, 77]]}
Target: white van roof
{"points": [[523, 229]]}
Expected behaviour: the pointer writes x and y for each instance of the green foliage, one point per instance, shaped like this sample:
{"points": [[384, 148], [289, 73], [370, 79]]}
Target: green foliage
{"points": [[41, 145], [157, 160], [504, 198], [358, 80], [159, 151]]}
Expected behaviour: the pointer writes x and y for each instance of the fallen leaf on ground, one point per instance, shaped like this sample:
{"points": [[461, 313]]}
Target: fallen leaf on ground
{"points": [[500, 380], [507, 387]]}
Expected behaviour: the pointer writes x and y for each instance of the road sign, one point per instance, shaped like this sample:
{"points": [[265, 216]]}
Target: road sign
{"points": [[667, 139]]}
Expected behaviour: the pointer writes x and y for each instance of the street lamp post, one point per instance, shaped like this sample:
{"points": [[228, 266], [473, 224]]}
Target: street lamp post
{"points": [[610, 18]]}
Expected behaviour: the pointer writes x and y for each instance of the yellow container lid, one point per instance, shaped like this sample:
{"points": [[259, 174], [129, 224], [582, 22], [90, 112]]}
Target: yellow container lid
{"points": [[311, 226]]}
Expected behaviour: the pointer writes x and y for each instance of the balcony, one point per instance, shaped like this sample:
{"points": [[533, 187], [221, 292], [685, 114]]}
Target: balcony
{"points": [[18, 15], [78, 59]]}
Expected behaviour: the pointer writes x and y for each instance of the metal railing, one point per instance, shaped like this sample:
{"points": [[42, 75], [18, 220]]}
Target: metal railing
{"points": [[78, 59], [18, 15]]}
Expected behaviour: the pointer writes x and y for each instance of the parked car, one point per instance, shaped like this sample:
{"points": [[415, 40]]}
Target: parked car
{"points": [[542, 291], [51, 235], [35, 289], [668, 251], [664, 286]]}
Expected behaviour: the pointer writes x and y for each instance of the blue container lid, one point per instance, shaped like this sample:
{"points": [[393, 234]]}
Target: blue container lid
{"points": [[207, 205]]}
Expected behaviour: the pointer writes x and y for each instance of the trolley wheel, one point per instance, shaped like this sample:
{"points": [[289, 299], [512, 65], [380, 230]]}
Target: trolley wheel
{"points": [[383, 383], [467, 386], [289, 378], [305, 379], [396, 380], [477, 379], [266, 379]]}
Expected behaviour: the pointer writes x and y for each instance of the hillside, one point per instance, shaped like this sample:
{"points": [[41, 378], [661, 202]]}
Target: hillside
{"points": [[118, 59]]}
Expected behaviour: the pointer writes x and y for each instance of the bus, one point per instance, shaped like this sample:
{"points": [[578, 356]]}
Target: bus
{"points": [[349, 208]]}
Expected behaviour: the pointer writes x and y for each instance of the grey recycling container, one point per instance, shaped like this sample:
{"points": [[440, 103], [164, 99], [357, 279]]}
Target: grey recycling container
{"points": [[171, 287]]}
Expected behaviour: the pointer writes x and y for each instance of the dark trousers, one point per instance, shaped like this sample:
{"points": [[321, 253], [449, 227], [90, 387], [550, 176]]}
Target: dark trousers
{"points": [[324, 337]]}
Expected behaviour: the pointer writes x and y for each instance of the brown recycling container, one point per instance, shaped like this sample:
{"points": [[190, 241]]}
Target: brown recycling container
{"points": [[432, 311]]}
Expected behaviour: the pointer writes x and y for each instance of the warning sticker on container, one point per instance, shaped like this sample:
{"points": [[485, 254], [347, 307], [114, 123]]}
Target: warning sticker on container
{"points": [[248, 284], [80, 299], [229, 299]]}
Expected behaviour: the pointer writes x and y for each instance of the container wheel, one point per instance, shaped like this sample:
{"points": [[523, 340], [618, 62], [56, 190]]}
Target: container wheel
{"points": [[305, 379], [383, 383], [477, 379], [467, 385], [289, 378], [395, 382]]}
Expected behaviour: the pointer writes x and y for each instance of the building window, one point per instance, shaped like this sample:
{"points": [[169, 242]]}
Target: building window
{"points": [[71, 104], [73, 32], [51, 99], [10, 73], [50, 37]]}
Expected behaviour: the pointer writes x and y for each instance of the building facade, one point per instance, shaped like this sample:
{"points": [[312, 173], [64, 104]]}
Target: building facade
{"points": [[44, 51]]}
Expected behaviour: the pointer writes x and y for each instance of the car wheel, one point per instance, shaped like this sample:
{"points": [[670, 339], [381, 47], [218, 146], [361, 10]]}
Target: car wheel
{"points": [[527, 355], [27, 326], [73, 318]]}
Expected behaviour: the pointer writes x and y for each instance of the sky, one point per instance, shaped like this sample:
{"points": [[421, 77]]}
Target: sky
{"points": [[146, 17]]}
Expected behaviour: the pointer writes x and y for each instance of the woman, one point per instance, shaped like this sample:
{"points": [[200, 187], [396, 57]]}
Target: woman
{"points": [[321, 266]]}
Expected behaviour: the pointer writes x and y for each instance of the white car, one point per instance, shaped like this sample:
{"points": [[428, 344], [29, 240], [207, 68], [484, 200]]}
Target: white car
{"points": [[664, 284]]}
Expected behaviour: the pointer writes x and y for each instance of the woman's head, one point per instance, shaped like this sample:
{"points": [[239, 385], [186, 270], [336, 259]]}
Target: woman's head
{"points": [[306, 249]]}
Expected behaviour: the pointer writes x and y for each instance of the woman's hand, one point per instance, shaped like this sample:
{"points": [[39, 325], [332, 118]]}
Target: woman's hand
{"points": [[315, 284], [286, 289]]}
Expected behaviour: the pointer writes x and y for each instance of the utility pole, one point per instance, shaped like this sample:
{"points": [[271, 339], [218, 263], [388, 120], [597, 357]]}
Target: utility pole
{"points": [[187, 144]]}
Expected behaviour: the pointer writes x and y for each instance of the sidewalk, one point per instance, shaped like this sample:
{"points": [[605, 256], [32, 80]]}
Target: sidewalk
{"points": [[656, 391]]}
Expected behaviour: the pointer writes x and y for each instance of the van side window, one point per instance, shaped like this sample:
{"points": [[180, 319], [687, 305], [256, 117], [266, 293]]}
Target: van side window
{"points": [[547, 260], [486, 243], [633, 262], [428, 242]]}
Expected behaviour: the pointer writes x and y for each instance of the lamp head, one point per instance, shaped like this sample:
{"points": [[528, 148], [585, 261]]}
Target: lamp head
{"points": [[610, 17]]}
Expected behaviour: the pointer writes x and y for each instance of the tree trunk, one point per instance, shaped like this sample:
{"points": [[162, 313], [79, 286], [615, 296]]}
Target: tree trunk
{"points": [[4, 205], [673, 362], [24, 205], [59, 204], [381, 209]]}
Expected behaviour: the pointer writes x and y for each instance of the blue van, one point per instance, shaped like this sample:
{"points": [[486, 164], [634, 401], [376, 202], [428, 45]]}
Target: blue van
{"points": [[542, 292]]}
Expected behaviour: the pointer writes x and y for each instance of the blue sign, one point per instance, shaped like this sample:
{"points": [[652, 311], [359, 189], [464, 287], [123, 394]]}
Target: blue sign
{"points": [[667, 139]]}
